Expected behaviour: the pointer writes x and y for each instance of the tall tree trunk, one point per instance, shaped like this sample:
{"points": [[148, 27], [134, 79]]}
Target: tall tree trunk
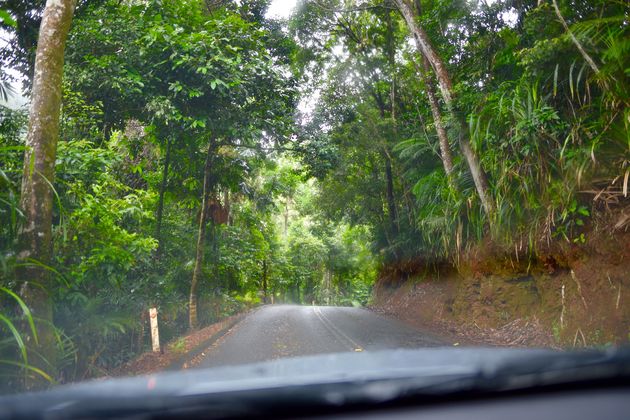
{"points": [[36, 201], [446, 89], [446, 153], [389, 180], [227, 206], [391, 201], [575, 41], [201, 240], [285, 227], [296, 293], [264, 282], [160, 208]]}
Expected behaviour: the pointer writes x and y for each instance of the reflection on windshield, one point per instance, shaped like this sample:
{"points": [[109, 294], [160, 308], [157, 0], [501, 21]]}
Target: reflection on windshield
{"points": [[209, 184]]}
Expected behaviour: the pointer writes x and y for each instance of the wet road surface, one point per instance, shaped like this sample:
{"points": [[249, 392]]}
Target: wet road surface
{"points": [[276, 331]]}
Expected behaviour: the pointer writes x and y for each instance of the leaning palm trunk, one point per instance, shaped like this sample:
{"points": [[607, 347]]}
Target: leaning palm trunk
{"points": [[446, 89]]}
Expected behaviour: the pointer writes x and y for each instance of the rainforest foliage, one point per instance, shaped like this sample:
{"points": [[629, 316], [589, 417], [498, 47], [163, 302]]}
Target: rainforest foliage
{"points": [[211, 157]]}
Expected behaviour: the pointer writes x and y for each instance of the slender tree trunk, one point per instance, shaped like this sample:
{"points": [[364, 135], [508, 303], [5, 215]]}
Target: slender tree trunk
{"points": [[160, 208], [296, 293], [389, 183], [227, 207], [201, 240], [575, 41], [446, 153], [330, 288], [446, 89], [391, 201], [285, 227], [216, 250], [36, 200], [264, 282]]}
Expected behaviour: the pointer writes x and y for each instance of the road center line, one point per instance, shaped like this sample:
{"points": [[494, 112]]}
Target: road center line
{"points": [[354, 346]]}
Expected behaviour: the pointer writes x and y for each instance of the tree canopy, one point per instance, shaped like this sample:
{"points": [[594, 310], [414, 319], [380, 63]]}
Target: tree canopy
{"points": [[211, 158]]}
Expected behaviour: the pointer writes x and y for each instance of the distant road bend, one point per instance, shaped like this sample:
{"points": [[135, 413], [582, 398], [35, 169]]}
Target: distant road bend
{"points": [[277, 331]]}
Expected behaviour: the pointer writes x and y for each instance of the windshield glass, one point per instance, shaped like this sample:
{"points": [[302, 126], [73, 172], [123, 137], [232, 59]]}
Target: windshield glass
{"points": [[195, 183]]}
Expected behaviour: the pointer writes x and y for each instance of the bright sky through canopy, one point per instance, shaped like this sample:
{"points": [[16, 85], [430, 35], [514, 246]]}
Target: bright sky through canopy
{"points": [[281, 8]]}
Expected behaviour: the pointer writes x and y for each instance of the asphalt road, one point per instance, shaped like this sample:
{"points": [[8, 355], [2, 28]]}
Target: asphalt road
{"points": [[277, 331]]}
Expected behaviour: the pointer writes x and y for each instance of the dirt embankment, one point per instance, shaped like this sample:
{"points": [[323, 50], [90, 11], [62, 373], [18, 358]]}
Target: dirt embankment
{"points": [[570, 296]]}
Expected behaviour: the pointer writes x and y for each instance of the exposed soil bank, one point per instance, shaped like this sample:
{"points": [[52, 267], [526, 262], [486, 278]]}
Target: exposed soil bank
{"points": [[570, 296]]}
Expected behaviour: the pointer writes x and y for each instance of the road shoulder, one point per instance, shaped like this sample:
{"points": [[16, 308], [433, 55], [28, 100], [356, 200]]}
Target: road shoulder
{"points": [[180, 353]]}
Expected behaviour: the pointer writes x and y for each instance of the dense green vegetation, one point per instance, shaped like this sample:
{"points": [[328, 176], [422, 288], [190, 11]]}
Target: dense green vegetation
{"points": [[545, 125], [210, 159]]}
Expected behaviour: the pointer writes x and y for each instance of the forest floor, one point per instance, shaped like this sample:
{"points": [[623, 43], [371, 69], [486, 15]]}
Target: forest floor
{"points": [[178, 353]]}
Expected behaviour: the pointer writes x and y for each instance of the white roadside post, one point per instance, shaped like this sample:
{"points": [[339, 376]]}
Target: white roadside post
{"points": [[155, 335]]}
